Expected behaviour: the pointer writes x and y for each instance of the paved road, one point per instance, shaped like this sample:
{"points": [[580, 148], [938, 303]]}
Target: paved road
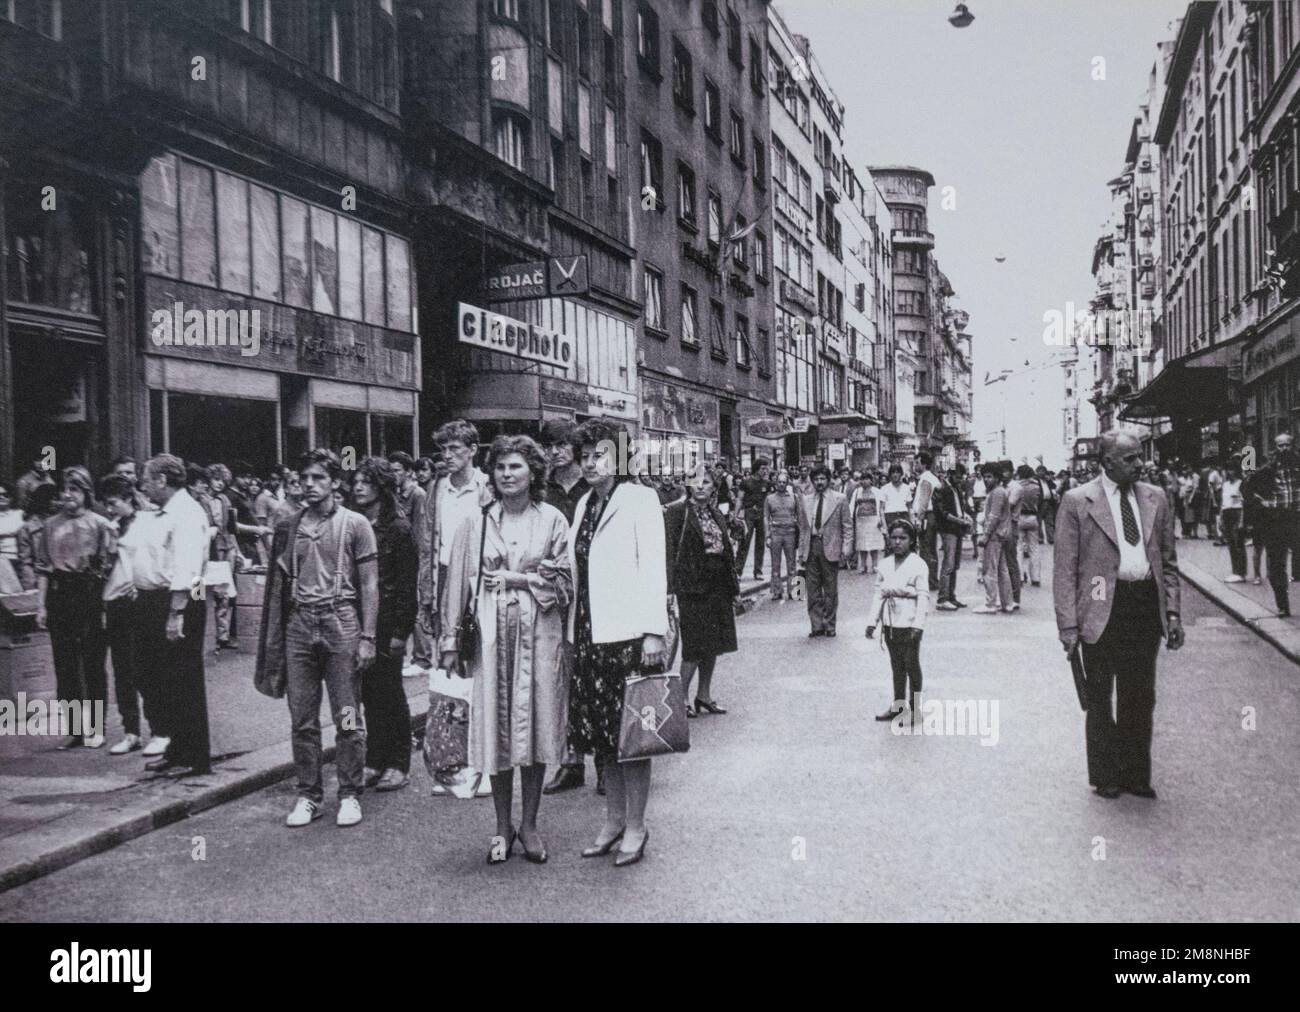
{"points": [[797, 805]]}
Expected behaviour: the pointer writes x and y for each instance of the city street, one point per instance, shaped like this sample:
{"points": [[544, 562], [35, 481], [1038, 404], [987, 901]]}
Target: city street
{"points": [[798, 805]]}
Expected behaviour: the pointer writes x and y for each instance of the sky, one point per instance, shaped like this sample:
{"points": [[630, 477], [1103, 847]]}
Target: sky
{"points": [[1009, 112]]}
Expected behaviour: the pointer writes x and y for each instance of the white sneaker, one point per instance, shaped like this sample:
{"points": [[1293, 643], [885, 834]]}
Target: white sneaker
{"points": [[1234, 578], [304, 811], [156, 746], [945, 606], [94, 741], [349, 812], [129, 743]]}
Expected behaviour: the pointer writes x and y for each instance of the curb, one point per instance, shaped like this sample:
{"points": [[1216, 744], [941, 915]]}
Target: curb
{"points": [[269, 767], [1249, 613]]}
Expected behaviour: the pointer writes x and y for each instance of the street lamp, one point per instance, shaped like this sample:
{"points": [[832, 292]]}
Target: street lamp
{"points": [[961, 17]]}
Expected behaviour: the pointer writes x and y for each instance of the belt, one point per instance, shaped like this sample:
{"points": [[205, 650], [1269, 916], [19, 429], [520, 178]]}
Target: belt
{"points": [[322, 606], [1136, 583]]}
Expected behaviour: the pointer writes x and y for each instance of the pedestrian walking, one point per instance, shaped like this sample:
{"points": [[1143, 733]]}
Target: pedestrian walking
{"points": [[753, 493], [1230, 515], [1274, 491], [375, 496], [319, 629], [825, 544], [1117, 533], [995, 542], [509, 566], [953, 518], [899, 604], [1012, 550], [75, 550], [1028, 508], [927, 483], [895, 497], [978, 493], [617, 627], [868, 523], [781, 520], [1047, 502], [702, 575]]}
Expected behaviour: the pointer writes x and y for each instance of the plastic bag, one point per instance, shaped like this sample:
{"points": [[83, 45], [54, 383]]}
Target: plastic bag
{"points": [[446, 734]]}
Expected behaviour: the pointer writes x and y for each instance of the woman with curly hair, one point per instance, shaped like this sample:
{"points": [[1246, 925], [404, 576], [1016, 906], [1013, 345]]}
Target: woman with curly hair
{"points": [[617, 556], [519, 705]]}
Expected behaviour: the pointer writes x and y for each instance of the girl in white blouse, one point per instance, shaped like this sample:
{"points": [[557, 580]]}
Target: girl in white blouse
{"points": [[900, 602]]}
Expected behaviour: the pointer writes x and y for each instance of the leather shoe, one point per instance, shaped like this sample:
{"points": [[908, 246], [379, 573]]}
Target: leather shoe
{"points": [[816, 632], [566, 778], [1144, 791], [1109, 791], [160, 765], [830, 633]]}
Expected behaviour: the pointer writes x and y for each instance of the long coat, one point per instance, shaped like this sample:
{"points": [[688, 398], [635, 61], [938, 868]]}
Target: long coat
{"points": [[518, 716], [684, 542]]}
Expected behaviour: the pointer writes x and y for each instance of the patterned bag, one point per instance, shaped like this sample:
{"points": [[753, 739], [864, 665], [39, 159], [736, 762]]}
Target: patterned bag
{"points": [[654, 717], [446, 735]]}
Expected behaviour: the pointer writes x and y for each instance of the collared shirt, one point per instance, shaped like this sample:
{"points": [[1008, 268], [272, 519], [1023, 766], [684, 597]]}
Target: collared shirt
{"points": [[1232, 494], [454, 505], [566, 501], [173, 545], [923, 502], [1285, 493], [895, 498], [316, 555], [409, 501], [753, 491], [1133, 562], [85, 543], [782, 512], [122, 578]]}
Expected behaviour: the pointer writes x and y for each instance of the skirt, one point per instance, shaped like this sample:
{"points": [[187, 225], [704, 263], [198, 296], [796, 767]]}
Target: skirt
{"points": [[708, 620], [866, 534]]}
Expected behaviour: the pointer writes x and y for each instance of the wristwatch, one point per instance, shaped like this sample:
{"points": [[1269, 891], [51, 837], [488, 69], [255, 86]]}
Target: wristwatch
{"points": [[365, 637]]}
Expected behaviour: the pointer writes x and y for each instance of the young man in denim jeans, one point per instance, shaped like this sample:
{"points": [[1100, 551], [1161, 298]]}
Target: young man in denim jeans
{"points": [[326, 579]]}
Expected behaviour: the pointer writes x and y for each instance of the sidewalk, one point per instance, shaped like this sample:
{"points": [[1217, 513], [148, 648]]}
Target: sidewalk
{"points": [[1204, 565], [59, 807]]}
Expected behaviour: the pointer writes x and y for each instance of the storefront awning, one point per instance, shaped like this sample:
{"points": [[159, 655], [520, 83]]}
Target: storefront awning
{"points": [[1193, 387]]}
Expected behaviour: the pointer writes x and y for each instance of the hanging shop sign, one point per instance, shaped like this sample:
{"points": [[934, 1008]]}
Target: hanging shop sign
{"points": [[666, 407], [536, 279], [1280, 346], [494, 332], [584, 399], [766, 428], [801, 424]]}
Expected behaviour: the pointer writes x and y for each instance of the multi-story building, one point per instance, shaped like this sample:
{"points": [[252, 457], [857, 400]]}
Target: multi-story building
{"points": [[701, 224], [867, 327], [520, 177], [207, 246]]}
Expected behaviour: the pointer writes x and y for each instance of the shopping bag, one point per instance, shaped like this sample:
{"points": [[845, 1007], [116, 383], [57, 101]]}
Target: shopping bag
{"points": [[674, 638], [446, 734], [654, 717]]}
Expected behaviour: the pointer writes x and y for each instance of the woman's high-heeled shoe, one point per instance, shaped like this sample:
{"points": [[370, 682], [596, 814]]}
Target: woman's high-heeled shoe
{"points": [[534, 856], [708, 706], [625, 858], [889, 714], [601, 849], [495, 856]]}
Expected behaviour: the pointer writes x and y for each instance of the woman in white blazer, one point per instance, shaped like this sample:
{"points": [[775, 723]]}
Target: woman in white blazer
{"points": [[899, 604], [618, 624]]}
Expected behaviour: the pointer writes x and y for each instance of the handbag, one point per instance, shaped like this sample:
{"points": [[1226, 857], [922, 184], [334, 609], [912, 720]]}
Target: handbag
{"points": [[469, 638], [653, 719]]}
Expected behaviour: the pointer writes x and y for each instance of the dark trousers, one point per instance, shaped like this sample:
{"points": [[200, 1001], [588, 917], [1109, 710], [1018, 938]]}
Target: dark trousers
{"points": [[905, 659], [952, 546], [1049, 522], [122, 630], [175, 676], [1234, 534], [756, 532], [1119, 741], [75, 618], [1013, 563], [930, 548], [1281, 530], [388, 715], [821, 579]]}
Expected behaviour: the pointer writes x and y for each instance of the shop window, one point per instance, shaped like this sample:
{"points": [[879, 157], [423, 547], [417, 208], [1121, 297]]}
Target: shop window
{"points": [[233, 234], [390, 434], [265, 216], [198, 248], [339, 427], [159, 210], [399, 283], [324, 262], [293, 218], [372, 275], [50, 255], [221, 429], [349, 268]]}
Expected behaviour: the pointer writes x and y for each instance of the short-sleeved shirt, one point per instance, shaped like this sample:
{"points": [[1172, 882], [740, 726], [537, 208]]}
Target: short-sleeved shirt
{"points": [[86, 543], [171, 545], [316, 555]]}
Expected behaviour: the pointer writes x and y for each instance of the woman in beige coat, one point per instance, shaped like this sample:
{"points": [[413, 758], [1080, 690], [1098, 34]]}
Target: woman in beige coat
{"points": [[519, 705]]}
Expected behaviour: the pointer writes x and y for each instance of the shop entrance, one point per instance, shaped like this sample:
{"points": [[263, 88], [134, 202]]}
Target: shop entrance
{"points": [[208, 430], [55, 400]]}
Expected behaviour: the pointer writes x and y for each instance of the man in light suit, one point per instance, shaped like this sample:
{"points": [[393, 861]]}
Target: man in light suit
{"points": [[825, 541], [1116, 592]]}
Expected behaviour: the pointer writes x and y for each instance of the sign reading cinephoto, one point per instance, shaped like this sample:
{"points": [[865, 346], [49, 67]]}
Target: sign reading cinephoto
{"points": [[498, 333]]}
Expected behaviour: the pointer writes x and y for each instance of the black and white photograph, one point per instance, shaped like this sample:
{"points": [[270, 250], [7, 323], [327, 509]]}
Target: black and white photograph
{"points": [[652, 461]]}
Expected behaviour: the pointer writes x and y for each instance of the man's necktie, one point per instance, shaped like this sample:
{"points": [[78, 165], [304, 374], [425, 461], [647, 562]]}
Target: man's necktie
{"points": [[817, 520], [1130, 520]]}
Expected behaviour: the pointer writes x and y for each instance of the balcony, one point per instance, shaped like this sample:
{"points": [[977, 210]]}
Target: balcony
{"points": [[927, 400], [904, 237]]}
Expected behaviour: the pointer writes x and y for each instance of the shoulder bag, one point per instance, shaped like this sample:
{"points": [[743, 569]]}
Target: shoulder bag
{"points": [[469, 637]]}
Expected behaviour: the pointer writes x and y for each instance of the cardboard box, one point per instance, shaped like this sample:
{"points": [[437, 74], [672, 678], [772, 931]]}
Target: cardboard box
{"points": [[27, 665]]}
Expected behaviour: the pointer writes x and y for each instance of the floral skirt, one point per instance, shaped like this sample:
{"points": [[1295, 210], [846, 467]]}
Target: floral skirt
{"points": [[596, 693]]}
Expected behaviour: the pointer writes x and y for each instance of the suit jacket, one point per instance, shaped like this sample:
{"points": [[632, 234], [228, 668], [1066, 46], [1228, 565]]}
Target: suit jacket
{"points": [[426, 525], [627, 571], [997, 513], [837, 526], [1087, 555], [945, 500], [684, 541]]}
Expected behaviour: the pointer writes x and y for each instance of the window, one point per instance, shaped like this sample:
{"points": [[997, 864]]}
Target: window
{"points": [[555, 95], [685, 194], [744, 353], [737, 139], [399, 282], [760, 254], [233, 234], [584, 43], [717, 331], [738, 245], [324, 262], [341, 43], [510, 139], [159, 226], [756, 67], [709, 15], [683, 87], [265, 216], [611, 140], [349, 268], [761, 345], [734, 48], [652, 169], [760, 164], [372, 275], [255, 18], [586, 193], [508, 9], [51, 254], [198, 232], [607, 14], [654, 299], [647, 39], [555, 167], [584, 119], [293, 218], [612, 206], [778, 163], [715, 219], [712, 110], [44, 16], [555, 25], [690, 315]]}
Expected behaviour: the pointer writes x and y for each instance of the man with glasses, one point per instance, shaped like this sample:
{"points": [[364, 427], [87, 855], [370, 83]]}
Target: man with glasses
{"points": [[1274, 491]]}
